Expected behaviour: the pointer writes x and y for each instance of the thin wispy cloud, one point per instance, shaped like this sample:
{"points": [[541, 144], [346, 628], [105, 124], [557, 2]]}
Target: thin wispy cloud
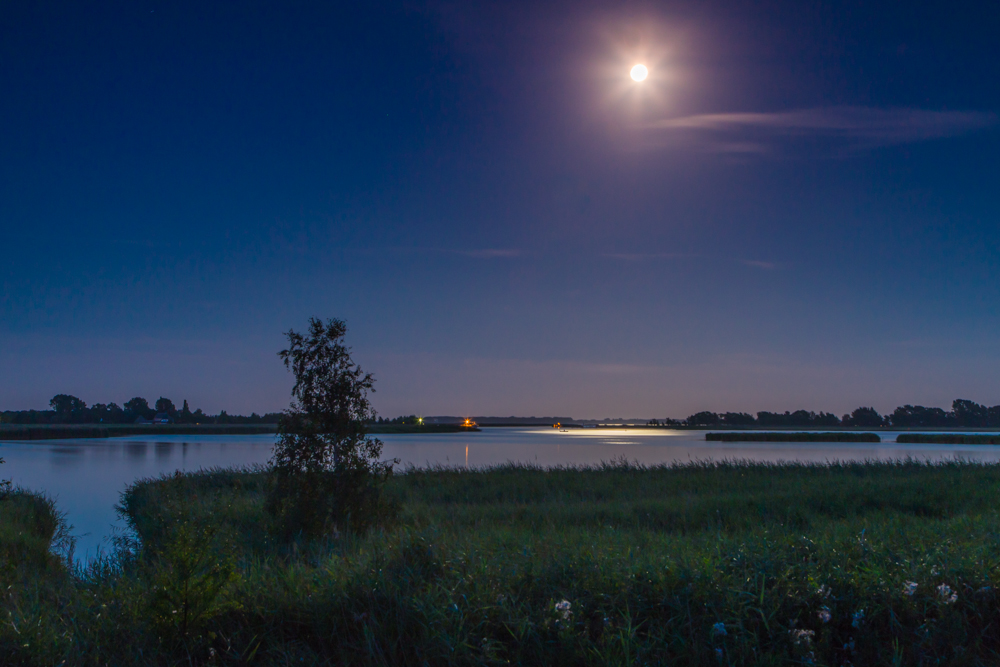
{"points": [[489, 253], [757, 264], [643, 256], [481, 253], [856, 126], [652, 256]]}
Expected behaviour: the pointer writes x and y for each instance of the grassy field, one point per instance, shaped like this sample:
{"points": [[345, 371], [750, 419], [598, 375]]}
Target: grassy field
{"points": [[877, 564]]}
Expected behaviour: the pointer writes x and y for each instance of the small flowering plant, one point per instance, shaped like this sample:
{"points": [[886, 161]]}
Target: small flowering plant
{"points": [[946, 594], [802, 637], [909, 588]]}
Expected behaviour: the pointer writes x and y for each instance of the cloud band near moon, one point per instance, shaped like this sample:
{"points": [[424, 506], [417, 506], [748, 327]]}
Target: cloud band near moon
{"points": [[853, 126]]}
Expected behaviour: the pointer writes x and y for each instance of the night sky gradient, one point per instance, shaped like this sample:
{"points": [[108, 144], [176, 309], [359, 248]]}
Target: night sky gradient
{"points": [[799, 209]]}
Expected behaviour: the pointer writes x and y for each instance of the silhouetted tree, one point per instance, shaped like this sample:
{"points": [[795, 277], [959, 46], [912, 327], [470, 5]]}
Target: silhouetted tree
{"points": [[165, 405], [326, 471], [969, 414], [797, 418], [704, 418], [826, 419], [137, 407], [68, 408], [993, 416], [918, 415], [737, 419], [864, 418]]}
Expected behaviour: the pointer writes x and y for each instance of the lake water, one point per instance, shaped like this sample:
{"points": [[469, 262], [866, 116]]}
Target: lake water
{"points": [[86, 477]]}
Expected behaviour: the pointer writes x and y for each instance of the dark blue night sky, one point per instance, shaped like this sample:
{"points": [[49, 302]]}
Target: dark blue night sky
{"points": [[800, 208]]}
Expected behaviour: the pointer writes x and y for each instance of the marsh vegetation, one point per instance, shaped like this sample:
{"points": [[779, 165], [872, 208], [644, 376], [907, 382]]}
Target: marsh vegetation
{"points": [[890, 563]]}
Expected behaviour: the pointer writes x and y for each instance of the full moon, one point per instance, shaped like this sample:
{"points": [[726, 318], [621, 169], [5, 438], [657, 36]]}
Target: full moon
{"points": [[639, 73]]}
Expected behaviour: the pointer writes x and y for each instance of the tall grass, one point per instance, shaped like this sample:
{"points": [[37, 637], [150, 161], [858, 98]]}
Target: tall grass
{"points": [[725, 563]]}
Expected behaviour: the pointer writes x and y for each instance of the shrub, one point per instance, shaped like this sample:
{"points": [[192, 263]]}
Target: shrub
{"points": [[191, 576]]}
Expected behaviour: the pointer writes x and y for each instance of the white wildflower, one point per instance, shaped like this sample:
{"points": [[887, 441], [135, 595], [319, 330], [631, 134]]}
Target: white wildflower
{"points": [[909, 588], [719, 630], [947, 595], [823, 591], [564, 609], [824, 615], [802, 636]]}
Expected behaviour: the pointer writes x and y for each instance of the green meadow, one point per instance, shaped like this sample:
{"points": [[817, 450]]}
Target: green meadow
{"points": [[703, 564]]}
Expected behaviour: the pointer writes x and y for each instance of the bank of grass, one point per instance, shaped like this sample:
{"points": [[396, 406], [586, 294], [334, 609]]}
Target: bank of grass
{"points": [[704, 564], [785, 436]]}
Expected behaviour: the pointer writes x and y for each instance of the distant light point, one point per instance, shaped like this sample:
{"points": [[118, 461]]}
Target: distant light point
{"points": [[639, 73]]}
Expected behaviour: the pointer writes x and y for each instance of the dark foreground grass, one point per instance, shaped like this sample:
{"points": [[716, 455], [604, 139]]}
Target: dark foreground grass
{"points": [[731, 564], [785, 436]]}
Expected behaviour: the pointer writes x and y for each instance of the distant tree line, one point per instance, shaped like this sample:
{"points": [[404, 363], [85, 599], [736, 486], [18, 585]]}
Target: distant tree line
{"points": [[66, 409], [408, 419], [963, 414]]}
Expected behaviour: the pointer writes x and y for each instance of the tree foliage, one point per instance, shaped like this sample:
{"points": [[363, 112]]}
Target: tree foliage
{"points": [[864, 418], [327, 472], [66, 406]]}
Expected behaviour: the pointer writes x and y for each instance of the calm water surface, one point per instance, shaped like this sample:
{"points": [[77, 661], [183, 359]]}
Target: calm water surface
{"points": [[86, 477]]}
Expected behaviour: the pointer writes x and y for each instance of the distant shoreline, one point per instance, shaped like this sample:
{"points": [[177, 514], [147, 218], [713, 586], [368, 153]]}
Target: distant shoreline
{"points": [[100, 431], [29, 432]]}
